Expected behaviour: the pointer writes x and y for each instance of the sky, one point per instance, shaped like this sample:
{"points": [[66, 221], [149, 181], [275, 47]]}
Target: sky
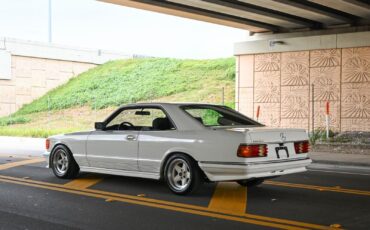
{"points": [[98, 25]]}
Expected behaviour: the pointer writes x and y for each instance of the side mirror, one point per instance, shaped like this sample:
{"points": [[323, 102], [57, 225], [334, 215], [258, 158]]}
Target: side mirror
{"points": [[99, 125]]}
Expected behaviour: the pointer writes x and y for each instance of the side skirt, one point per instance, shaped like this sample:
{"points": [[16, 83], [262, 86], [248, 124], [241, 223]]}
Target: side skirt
{"points": [[121, 172]]}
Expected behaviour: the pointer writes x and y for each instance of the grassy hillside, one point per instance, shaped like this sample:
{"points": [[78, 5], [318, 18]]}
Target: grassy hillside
{"points": [[94, 94]]}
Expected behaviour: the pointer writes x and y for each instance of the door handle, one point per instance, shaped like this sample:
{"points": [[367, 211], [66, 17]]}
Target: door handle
{"points": [[130, 137]]}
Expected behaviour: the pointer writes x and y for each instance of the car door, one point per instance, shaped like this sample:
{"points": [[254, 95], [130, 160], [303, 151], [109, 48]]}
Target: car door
{"points": [[154, 140], [116, 146], [113, 149]]}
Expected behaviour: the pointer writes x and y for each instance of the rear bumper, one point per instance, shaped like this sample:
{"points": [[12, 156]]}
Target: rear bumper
{"points": [[222, 171]]}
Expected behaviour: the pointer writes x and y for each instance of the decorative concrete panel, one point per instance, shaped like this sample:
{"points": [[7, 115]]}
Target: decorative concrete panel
{"points": [[325, 58], [295, 102], [319, 115], [267, 62], [301, 123], [246, 71], [326, 81], [356, 65], [269, 113], [282, 88], [295, 68], [349, 54], [267, 87], [295, 106], [355, 125], [356, 100]]}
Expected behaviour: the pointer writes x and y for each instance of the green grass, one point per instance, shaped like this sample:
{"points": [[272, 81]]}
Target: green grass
{"points": [[121, 82], [128, 81], [10, 120], [32, 132]]}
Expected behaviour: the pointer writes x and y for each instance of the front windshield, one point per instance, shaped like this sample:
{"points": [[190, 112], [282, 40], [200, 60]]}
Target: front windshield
{"points": [[212, 116]]}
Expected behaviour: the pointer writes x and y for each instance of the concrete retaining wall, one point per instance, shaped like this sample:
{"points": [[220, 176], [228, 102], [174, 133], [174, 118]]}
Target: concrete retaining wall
{"points": [[29, 69]]}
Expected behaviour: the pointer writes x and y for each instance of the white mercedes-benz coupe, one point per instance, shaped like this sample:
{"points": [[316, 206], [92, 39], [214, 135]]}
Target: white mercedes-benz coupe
{"points": [[183, 144]]}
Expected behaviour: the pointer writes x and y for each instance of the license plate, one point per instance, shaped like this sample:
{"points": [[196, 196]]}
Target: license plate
{"points": [[282, 151]]}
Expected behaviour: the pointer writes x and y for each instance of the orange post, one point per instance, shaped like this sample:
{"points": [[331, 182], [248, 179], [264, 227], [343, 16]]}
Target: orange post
{"points": [[327, 119], [258, 112], [327, 108]]}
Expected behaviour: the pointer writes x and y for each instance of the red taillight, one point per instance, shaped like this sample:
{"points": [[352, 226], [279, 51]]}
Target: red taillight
{"points": [[47, 144], [252, 151], [301, 147]]}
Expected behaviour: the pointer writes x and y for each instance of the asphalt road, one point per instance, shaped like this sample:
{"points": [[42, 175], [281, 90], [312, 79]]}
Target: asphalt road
{"points": [[32, 198]]}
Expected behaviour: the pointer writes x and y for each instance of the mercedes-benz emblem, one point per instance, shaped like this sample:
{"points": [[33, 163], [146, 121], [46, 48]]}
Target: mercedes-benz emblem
{"points": [[282, 137]]}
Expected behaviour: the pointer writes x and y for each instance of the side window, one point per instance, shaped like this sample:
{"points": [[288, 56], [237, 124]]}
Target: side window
{"points": [[207, 117], [140, 119], [218, 116]]}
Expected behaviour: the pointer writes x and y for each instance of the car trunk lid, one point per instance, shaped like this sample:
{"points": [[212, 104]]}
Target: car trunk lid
{"points": [[279, 141]]}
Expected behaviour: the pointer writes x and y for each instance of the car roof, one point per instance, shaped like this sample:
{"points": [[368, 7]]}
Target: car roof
{"points": [[167, 103], [181, 120]]}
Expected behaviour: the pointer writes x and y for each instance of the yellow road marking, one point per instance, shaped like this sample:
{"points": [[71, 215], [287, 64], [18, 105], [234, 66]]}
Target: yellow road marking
{"points": [[320, 188], [285, 224], [229, 197], [290, 222], [84, 182], [173, 208], [19, 163]]}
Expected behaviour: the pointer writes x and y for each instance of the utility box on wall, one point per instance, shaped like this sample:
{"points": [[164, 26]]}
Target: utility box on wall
{"points": [[5, 65]]}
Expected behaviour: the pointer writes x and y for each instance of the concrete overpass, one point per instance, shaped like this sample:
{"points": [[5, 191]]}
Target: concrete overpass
{"points": [[299, 55], [259, 16]]}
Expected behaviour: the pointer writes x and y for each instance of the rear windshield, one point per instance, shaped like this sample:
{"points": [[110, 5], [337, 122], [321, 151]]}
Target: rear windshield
{"points": [[213, 116]]}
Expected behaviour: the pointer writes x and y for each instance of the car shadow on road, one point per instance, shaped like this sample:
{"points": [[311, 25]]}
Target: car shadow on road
{"points": [[153, 189]]}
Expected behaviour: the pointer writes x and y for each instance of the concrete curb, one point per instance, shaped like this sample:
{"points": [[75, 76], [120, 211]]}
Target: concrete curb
{"points": [[337, 168], [22, 146], [341, 163]]}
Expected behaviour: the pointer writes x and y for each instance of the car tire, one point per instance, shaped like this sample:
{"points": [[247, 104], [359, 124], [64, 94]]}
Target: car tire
{"points": [[182, 174], [63, 164], [250, 182]]}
